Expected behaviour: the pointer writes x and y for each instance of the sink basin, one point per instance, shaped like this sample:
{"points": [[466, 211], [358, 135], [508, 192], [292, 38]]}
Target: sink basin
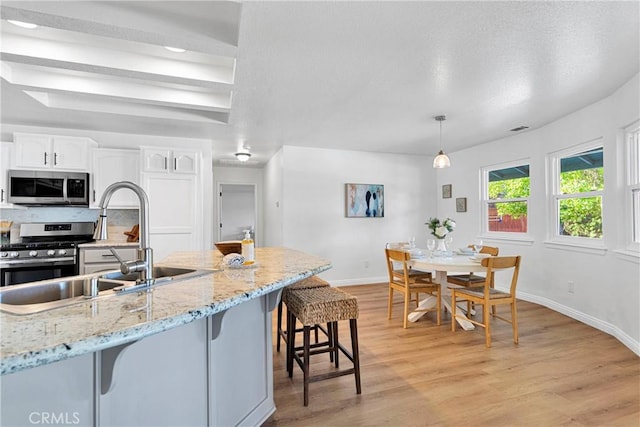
{"points": [[159, 273], [46, 295]]}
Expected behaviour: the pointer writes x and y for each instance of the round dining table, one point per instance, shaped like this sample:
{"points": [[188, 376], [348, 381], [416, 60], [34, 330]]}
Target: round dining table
{"points": [[443, 265]]}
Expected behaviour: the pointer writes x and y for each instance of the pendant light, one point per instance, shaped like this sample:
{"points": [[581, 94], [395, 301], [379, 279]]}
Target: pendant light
{"points": [[441, 160]]}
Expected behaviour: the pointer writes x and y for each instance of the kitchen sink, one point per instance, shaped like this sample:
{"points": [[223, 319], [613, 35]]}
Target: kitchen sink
{"points": [[160, 273], [46, 295]]}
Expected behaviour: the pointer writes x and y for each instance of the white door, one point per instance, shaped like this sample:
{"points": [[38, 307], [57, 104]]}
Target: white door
{"points": [[237, 203]]}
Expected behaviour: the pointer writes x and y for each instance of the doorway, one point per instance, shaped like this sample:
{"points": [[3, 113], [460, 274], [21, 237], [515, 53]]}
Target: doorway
{"points": [[237, 211]]}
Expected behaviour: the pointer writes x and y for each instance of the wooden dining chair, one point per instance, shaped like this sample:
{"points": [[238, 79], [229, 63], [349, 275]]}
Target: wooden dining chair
{"points": [[401, 280], [472, 279], [414, 274], [488, 296]]}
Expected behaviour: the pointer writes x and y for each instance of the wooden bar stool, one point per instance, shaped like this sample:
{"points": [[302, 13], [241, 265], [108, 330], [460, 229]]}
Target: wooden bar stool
{"points": [[316, 306], [308, 283]]}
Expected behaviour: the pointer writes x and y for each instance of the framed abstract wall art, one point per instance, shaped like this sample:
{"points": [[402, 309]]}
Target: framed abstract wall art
{"points": [[364, 200]]}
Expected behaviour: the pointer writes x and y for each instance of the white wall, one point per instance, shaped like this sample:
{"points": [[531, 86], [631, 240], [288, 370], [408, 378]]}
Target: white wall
{"points": [[273, 201], [607, 283], [313, 207]]}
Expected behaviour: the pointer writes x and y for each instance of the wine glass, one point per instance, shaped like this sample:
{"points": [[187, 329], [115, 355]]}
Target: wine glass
{"points": [[448, 240], [431, 245], [412, 242], [477, 246]]}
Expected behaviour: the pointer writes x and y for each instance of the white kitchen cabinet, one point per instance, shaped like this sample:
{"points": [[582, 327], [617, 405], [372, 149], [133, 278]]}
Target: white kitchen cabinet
{"points": [[6, 152], [170, 161], [58, 393], [175, 213], [113, 165], [40, 151], [93, 260]]}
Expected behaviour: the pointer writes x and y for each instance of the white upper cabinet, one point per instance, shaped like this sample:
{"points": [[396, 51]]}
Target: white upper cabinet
{"points": [[169, 161], [39, 151], [114, 165], [5, 165]]}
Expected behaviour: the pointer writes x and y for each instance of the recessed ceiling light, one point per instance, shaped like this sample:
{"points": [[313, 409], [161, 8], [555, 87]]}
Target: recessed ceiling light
{"points": [[519, 128], [175, 49], [23, 24]]}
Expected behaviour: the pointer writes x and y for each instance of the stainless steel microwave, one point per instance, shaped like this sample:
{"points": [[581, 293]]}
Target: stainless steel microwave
{"points": [[43, 188]]}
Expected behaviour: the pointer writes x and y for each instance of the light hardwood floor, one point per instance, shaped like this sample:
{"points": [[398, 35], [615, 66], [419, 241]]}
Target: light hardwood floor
{"points": [[563, 373]]}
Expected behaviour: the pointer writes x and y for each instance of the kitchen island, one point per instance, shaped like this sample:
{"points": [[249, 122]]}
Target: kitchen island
{"points": [[194, 352]]}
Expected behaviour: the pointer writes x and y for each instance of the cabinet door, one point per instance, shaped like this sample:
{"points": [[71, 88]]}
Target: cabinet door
{"points": [[5, 164], [71, 153], [173, 213], [155, 160], [58, 393], [111, 165], [33, 151], [185, 162]]}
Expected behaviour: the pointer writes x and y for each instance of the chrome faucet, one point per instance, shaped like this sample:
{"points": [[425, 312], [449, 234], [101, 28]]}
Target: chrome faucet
{"points": [[144, 264]]}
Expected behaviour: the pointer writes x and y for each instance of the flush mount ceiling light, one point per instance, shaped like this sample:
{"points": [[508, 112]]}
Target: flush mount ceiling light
{"points": [[175, 49], [243, 156], [441, 160], [22, 24]]}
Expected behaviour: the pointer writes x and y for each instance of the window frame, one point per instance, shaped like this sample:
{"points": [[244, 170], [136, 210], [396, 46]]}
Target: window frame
{"points": [[555, 195], [485, 201], [632, 186]]}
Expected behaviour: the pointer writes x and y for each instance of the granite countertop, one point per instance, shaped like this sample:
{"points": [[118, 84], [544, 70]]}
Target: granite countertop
{"points": [[95, 324]]}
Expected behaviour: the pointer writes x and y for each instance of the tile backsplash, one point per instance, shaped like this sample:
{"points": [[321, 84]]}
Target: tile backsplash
{"points": [[117, 218]]}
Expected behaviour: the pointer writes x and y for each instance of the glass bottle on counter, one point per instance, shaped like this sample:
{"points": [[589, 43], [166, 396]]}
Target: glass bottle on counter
{"points": [[248, 249]]}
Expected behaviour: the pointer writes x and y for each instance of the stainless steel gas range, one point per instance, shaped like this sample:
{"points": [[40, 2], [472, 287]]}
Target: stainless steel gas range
{"points": [[45, 251]]}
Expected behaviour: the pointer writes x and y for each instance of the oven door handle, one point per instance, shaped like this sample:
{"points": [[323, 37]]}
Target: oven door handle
{"points": [[29, 262]]}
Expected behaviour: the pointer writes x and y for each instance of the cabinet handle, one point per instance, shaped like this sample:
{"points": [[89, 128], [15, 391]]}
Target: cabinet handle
{"points": [[175, 164], [165, 163], [45, 158], [94, 195], [2, 195], [55, 159]]}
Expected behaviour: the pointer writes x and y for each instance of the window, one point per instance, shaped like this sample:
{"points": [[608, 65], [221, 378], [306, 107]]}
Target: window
{"points": [[505, 198], [578, 187], [633, 183]]}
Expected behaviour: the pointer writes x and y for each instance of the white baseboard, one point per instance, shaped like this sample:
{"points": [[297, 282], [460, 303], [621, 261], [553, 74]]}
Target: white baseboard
{"points": [[360, 281], [601, 325]]}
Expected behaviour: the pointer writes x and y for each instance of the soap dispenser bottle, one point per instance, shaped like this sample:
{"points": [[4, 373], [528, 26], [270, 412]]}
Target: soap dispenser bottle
{"points": [[248, 248]]}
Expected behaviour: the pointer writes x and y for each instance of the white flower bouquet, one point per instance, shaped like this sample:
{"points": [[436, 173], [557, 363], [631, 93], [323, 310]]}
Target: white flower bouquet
{"points": [[441, 228]]}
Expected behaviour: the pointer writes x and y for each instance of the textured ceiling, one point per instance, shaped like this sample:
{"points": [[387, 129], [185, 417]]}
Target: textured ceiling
{"points": [[349, 75]]}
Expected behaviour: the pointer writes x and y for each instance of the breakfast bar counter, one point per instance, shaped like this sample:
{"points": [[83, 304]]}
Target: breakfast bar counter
{"points": [[188, 340]]}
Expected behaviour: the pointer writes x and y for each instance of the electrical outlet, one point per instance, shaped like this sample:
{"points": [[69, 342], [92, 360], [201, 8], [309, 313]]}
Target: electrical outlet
{"points": [[366, 264], [570, 287]]}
